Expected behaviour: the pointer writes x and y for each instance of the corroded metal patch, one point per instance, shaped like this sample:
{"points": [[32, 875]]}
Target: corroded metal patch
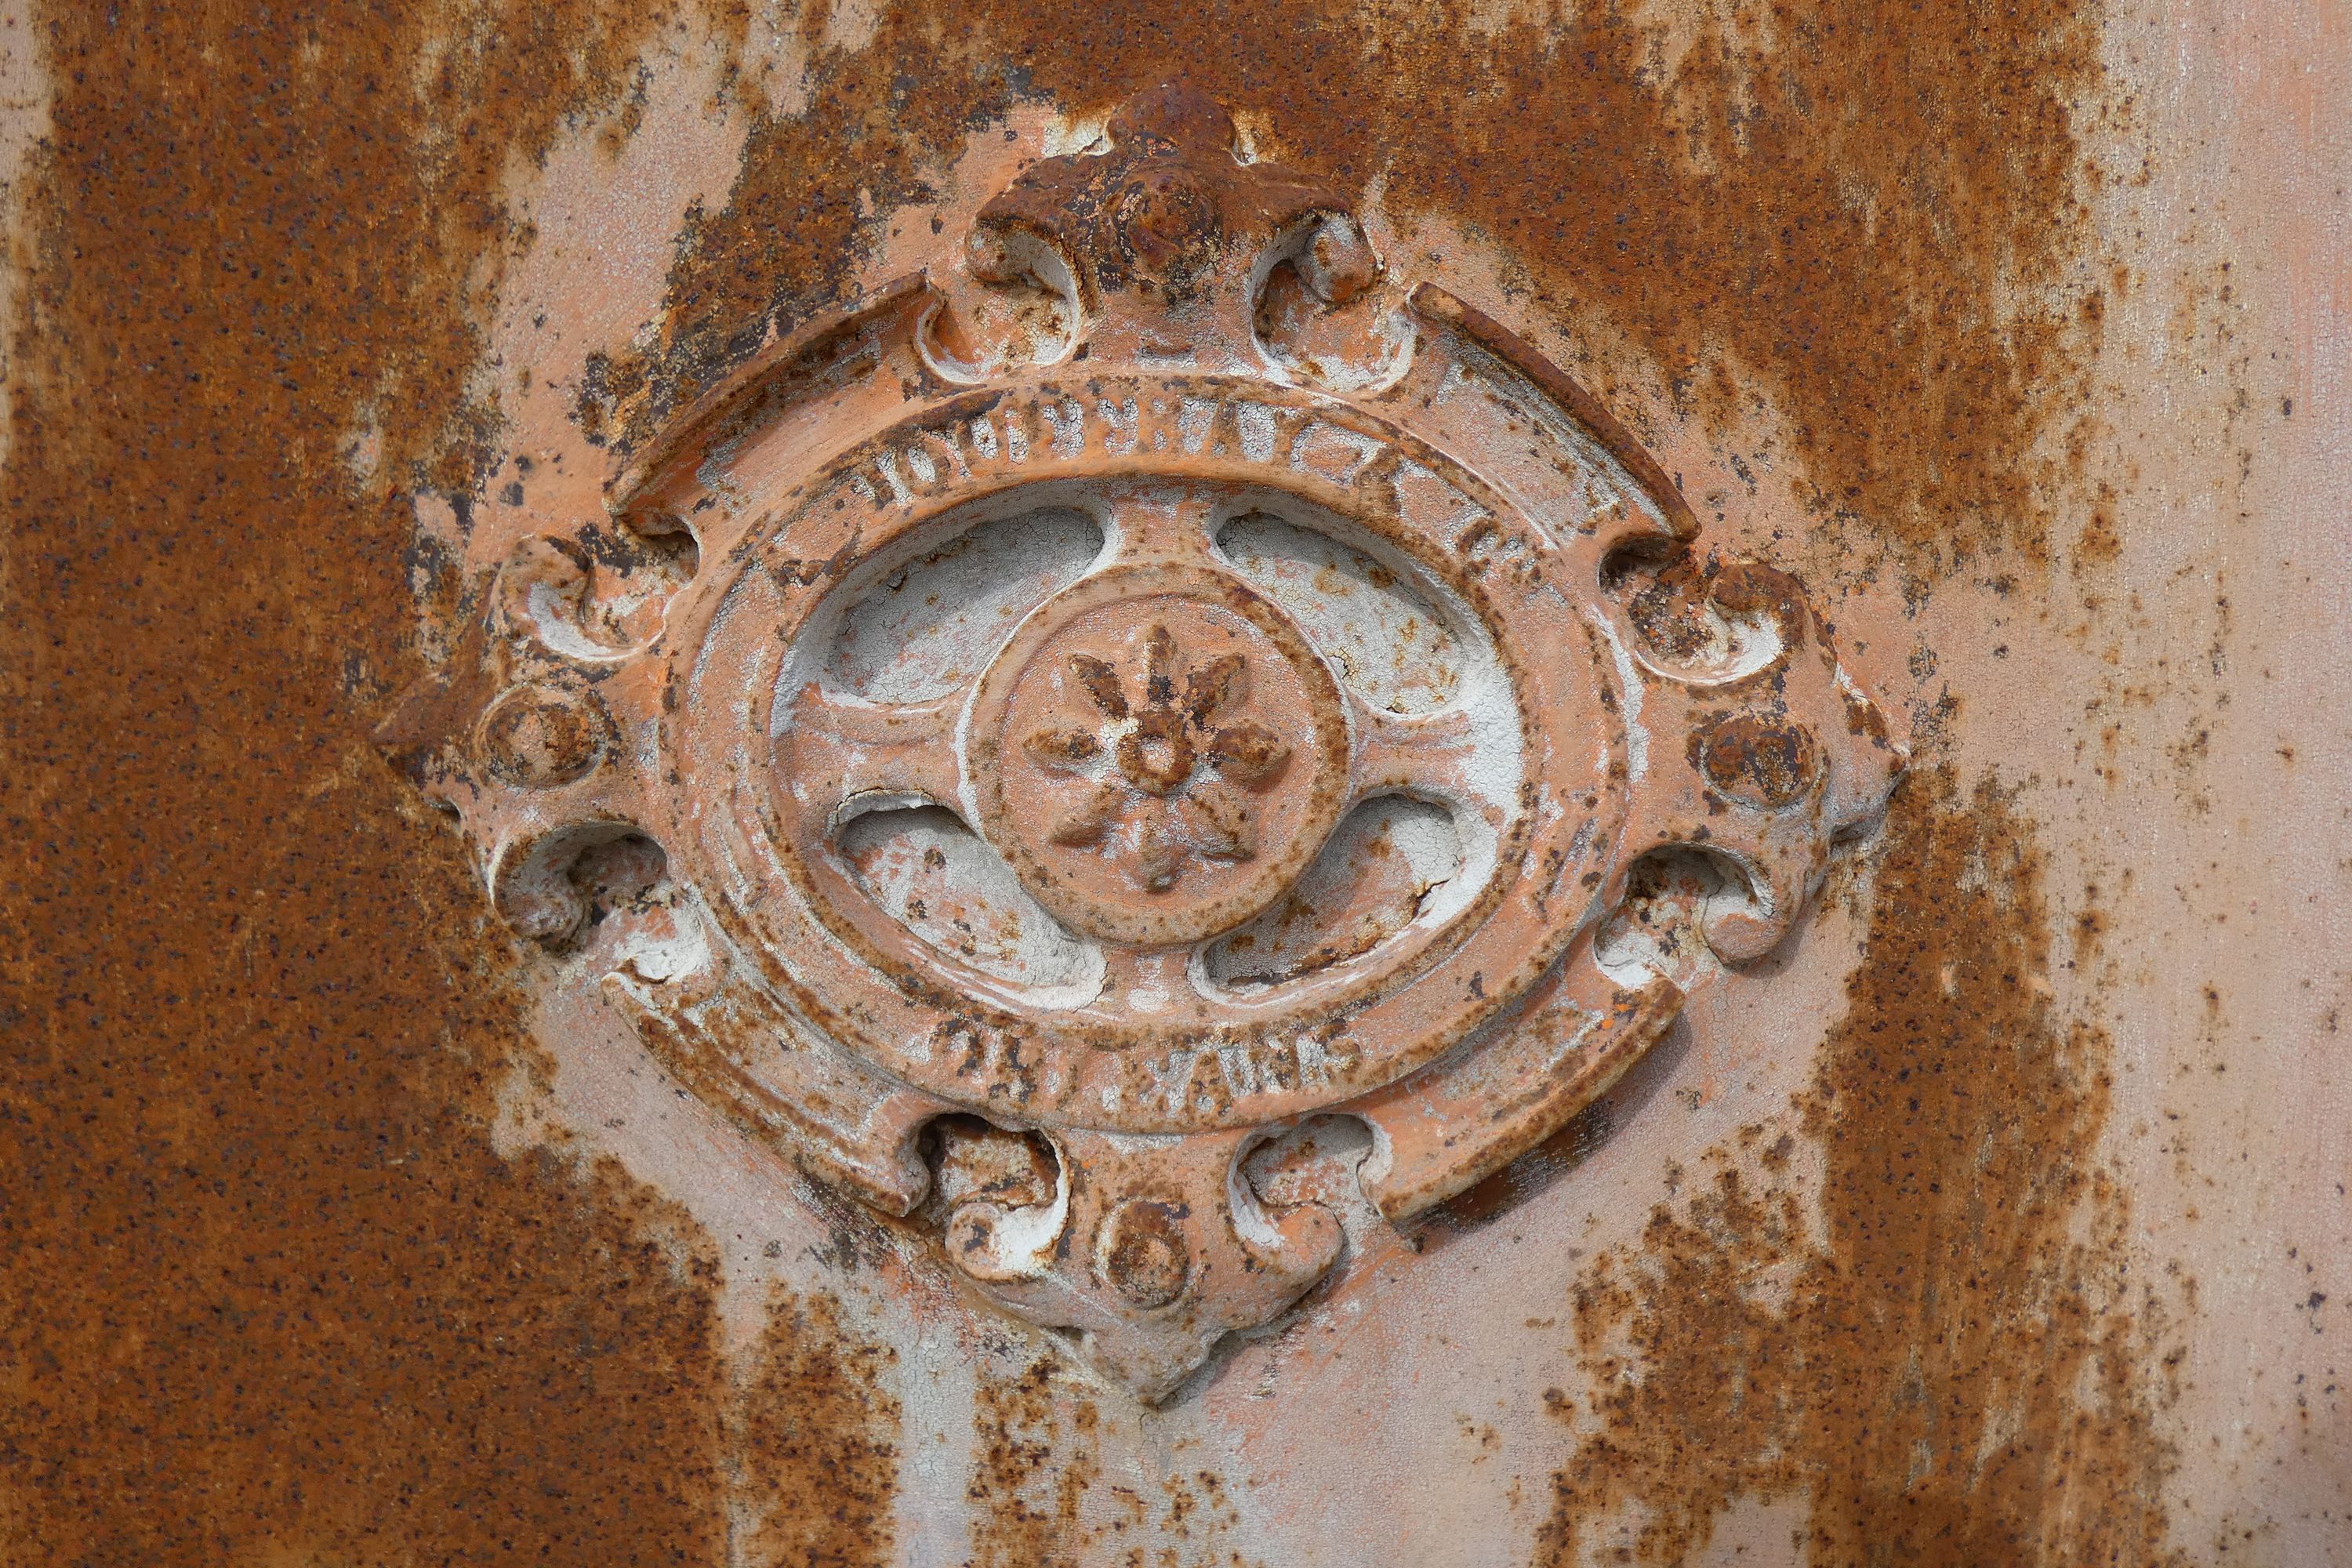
{"points": [[1156, 680]]}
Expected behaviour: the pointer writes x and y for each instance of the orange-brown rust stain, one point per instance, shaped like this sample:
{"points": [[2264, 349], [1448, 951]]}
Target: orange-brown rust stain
{"points": [[269, 1293], [1039, 1497], [1958, 1370], [1870, 213], [1035, 1460], [818, 1450]]}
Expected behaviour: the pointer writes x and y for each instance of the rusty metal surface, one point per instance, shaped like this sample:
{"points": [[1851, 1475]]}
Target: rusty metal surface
{"points": [[1990, 1212]]}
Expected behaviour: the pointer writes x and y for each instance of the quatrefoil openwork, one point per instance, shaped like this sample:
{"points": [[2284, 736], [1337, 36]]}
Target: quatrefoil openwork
{"points": [[1152, 705]]}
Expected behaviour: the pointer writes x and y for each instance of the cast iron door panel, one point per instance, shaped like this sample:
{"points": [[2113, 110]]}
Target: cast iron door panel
{"points": [[1008, 788]]}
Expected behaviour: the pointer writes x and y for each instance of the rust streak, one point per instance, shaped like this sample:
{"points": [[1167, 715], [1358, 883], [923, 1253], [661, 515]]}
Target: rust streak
{"points": [[1034, 1461], [818, 1441], [271, 1294], [1954, 1375]]}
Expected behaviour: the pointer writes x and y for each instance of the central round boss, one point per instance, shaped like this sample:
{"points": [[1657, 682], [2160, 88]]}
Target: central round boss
{"points": [[1159, 755]]}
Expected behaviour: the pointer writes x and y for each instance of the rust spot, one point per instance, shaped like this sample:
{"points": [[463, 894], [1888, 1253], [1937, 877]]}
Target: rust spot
{"points": [[542, 737], [1039, 1500], [2101, 540], [1955, 1376], [818, 1448], [1768, 763], [973, 1161], [1063, 748], [1101, 683], [1669, 616], [1034, 1462], [1144, 1254]]}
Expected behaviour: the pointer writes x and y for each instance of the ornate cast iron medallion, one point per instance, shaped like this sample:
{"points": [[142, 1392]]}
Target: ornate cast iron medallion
{"points": [[1157, 681]]}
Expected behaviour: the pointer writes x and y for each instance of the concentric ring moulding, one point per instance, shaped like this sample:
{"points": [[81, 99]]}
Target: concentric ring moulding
{"points": [[1162, 678]]}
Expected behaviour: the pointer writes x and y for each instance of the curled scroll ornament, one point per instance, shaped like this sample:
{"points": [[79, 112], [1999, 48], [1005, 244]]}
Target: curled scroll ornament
{"points": [[1155, 683]]}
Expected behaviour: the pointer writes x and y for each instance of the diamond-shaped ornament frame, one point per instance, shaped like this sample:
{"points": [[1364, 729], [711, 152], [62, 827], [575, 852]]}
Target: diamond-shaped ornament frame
{"points": [[1147, 685]]}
